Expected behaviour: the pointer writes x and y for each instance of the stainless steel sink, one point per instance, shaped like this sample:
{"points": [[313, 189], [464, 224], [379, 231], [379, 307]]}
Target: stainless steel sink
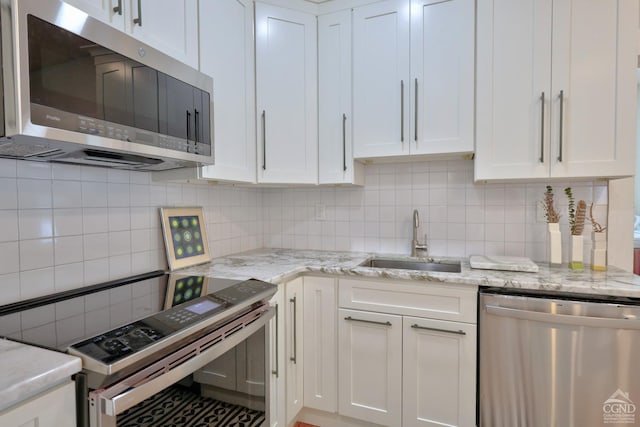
{"points": [[401, 264]]}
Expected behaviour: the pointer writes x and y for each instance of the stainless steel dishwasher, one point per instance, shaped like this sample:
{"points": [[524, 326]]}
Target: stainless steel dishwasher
{"points": [[551, 361]]}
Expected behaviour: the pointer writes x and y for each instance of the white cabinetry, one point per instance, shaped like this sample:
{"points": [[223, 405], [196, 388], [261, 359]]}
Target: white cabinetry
{"points": [[335, 148], [556, 89], [439, 372], [170, 26], [294, 344], [407, 353], [286, 93], [227, 55], [54, 408], [277, 384], [370, 366], [422, 108], [320, 344]]}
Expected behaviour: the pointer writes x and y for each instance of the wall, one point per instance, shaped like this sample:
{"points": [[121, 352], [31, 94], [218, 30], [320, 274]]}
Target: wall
{"points": [[64, 226], [459, 217]]}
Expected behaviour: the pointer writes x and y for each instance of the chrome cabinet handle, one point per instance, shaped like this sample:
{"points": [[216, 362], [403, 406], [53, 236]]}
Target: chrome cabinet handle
{"points": [[542, 128], [351, 319], [401, 110], [196, 115], [344, 142], [295, 332], [415, 118], [138, 20], [264, 140], [275, 371], [561, 125], [458, 332], [118, 8]]}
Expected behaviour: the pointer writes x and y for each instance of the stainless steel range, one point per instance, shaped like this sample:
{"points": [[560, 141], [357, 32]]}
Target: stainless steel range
{"points": [[138, 336]]}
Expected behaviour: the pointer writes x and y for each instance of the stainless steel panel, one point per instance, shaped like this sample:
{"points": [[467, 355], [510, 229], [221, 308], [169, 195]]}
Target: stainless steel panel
{"points": [[553, 362]]}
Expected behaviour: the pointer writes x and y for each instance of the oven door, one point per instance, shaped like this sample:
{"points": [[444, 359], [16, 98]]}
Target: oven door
{"points": [[106, 404]]}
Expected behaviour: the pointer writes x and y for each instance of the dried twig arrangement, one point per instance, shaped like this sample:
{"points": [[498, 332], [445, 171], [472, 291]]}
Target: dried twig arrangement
{"points": [[596, 225], [576, 215], [550, 211]]}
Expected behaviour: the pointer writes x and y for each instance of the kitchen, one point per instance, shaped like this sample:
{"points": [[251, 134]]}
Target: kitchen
{"points": [[65, 226]]}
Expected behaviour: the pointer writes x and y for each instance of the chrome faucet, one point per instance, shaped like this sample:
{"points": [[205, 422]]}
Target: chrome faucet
{"points": [[415, 244]]}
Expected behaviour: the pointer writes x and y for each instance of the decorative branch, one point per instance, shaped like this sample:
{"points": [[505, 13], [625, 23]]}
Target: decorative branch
{"points": [[596, 225], [581, 210], [572, 208], [550, 211]]}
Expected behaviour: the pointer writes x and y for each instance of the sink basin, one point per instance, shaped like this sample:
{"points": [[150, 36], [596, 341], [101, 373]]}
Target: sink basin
{"points": [[402, 264]]}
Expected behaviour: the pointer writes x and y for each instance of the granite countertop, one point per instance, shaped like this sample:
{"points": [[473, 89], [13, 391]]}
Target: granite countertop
{"points": [[280, 265], [28, 371]]}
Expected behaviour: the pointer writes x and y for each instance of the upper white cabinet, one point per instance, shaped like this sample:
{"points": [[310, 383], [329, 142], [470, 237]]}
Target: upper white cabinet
{"points": [[335, 148], [168, 25], [227, 55], [413, 68], [286, 93], [556, 88]]}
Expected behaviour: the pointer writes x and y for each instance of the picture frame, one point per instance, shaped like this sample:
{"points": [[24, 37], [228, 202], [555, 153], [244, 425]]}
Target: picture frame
{"points": [[185, 237]]}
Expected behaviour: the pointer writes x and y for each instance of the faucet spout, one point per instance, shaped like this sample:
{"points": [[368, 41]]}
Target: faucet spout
{"points": [[415, 244]]}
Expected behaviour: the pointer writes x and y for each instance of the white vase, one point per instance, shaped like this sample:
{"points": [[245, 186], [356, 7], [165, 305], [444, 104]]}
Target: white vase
{"points": [[555, 243], [599, 251], [577, 257]]}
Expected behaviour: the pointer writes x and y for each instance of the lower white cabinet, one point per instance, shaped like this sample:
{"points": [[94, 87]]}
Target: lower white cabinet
{"points": [[439, 373], [370, 366], [398, 369], [320, 344], [277, 396], [294, 370], [54, 408]]}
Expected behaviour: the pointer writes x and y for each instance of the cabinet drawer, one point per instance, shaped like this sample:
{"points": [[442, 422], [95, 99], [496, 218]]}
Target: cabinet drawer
{"points": [[421, 299]]}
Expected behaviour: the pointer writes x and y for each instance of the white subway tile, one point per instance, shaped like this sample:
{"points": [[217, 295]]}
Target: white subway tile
{"points": [[66, 172], [8, 225], [118, 195], [35, 254], [9, 257], [35, 170], [34, 193], [119, 219], [94, 194], [8, 168], [136, 177], [35, 283], [475, 232], [69, 276], [514, 232], [96, 246], [95, 220], [68, 250], [35, 223], [9, 292], [494, 232], [514, 249], [118, 176], [119, 243], [96, 271], [67, 222], [119, 266]]}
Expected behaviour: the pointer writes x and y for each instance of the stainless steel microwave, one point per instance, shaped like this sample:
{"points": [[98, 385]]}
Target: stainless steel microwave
{"points": [[76, 90]]}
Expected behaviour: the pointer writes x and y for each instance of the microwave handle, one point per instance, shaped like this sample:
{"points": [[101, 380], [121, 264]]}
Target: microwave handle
{"points": [[188, 125], [138, 20], [197, 131]]}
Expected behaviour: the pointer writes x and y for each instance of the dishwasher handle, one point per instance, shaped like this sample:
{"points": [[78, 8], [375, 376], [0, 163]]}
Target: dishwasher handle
{"points": [[565, 319]]}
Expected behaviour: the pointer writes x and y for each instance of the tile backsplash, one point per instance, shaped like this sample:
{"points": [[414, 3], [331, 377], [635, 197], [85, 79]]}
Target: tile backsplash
{"points": [[65, 226]]}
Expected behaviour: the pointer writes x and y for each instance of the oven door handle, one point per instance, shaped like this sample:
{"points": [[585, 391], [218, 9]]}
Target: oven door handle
{"points": [[112, 405]]}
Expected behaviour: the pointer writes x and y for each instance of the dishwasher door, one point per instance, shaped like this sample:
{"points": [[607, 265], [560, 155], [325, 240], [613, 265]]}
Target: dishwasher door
{"points": [[551, 362]]}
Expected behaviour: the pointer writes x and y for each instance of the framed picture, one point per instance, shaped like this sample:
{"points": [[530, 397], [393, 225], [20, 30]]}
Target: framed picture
{"points": [[185, 237]]}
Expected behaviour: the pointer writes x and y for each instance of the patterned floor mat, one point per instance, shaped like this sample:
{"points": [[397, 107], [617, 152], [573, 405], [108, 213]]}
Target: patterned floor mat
{"points": [[178, 406]]}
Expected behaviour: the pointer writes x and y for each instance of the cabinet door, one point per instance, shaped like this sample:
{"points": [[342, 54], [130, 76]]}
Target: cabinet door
{"points": [[381, 79], [439, 373], [107, 11], [220, 373], [277, 397], [170, 26], [251, 365], [227, 55], [334, 100], [286, 85], [56, 408], [370, 366], [320, 344], [443, 71], [513, 89], [294, 345], [594, 64]]}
